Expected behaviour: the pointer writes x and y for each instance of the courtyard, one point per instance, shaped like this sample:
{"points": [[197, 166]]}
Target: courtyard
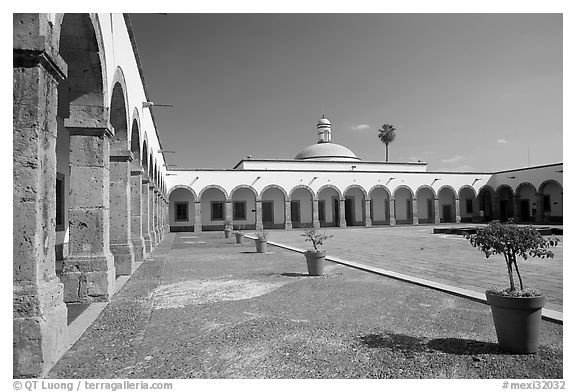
{"points": [[205, 307]]}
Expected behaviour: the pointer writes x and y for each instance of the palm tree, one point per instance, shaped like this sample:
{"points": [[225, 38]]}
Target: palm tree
{"points": [[386, 136]]}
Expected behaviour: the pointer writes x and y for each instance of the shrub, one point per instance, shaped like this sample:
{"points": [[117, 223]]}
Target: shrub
{"points": [[512, 241], [313, 235], [262, 234]]}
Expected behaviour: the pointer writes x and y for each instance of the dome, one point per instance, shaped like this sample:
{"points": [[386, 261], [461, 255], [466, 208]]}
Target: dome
{"points": [[327, 152], [323, 121]]}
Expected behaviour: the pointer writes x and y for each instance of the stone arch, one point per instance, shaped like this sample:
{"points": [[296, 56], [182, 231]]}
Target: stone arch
{"points": [[505, 202], [425, 206], [182, 187], [486, 195], [450, 187], [256, 195], [226, 196], [447, 196], [547, 182], [274, 186], [118, 113], [330, 186], [421, 187], [349, 187], [379, 186], [135, 142], [145, 159], [403, 187], [302, 186], [471, 188], [522, 185], [80, 43]]}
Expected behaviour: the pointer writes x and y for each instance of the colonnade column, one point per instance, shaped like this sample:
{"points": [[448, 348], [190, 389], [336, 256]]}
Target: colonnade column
{"points": [[367, 216], [146, 211], [457, 206], [89, 273], [151, 215], [39, 313], [342, 213], [136, 215], [315, 220], [436, 211], [415, 220], [159, 216], [228, 215], [259, 225], [121, 211], [155, 216], [166, 214], [287, 215], [392, 211], [197, 216]]}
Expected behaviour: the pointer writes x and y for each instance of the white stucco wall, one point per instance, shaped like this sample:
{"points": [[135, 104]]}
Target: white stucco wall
{"points": [[330, 165]]}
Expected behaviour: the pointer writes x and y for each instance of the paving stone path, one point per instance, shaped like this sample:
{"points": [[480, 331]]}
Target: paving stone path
{"points": [[443, 258], [205, 307]]}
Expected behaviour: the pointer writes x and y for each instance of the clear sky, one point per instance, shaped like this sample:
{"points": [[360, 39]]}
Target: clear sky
{"points": [[470, 92]]}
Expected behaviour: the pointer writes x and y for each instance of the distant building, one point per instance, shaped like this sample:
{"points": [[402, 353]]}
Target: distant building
{"points": [[326, 184]]}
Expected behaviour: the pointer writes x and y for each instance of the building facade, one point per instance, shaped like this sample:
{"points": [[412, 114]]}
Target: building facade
{"points": [[326, 185]]}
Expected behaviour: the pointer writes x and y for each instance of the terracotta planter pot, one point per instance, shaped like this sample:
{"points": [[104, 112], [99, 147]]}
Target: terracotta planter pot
{"points": [[239, 238], [227, 233], [315, 262], [517, 322], [261, 245]]}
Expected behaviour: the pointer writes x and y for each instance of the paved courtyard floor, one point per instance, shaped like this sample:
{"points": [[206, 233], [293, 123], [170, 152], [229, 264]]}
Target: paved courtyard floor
{"points": [[205, 307]]}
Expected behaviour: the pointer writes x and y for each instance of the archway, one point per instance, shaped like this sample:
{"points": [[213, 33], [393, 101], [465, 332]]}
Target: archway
{"points": [[447, 204], [244, 207], [425, 205], [505, 197], [213, 206], [485, 197], [527, 199], [380, 205], [355, 206], [403, 211], [136, 192], [329, 206], [468, 204], [182, 201], [552, 201], [301, 206], [273, 207]]}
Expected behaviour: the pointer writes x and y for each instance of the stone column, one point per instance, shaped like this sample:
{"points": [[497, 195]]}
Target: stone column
{"points": [[89, 273], [392, 211], [39, 313], [136, 215], [151, 215], [415, 220], [197, 216], [315, 220], [457, 207], [436, 211], [259, 225], [342, 213], [367, 215], [158, 217], [287, 215], [228, 215], [146, 211], [166, 214], [120, 217], [539, 207]]}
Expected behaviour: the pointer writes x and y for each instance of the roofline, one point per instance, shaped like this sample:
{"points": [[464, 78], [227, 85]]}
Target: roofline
{"points": [[141, 72], [326, 171], [326, 161], [529, 168]]}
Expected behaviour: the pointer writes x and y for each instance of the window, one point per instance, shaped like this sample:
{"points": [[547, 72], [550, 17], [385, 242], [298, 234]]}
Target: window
{"points": [[60, 201], [217, 211], [239, 211], [181, 211], [322, 210], [469, 208]]}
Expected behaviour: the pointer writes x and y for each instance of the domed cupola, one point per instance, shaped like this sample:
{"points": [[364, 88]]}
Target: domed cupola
{"points": [[325, 149]]}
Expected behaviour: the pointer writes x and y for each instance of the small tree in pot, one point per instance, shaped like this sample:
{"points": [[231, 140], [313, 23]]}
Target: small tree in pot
{"points": [[261, 241], [516, 312], [315, 258]]}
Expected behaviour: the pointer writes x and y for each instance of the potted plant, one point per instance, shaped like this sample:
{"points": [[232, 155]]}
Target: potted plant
{"points": [[315, 258], [239, 235], [227, 230], [261, 240], [516, 310]]}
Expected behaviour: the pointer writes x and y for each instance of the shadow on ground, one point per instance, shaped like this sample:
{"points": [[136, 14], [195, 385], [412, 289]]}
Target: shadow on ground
{"points": [[410, 344]]}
